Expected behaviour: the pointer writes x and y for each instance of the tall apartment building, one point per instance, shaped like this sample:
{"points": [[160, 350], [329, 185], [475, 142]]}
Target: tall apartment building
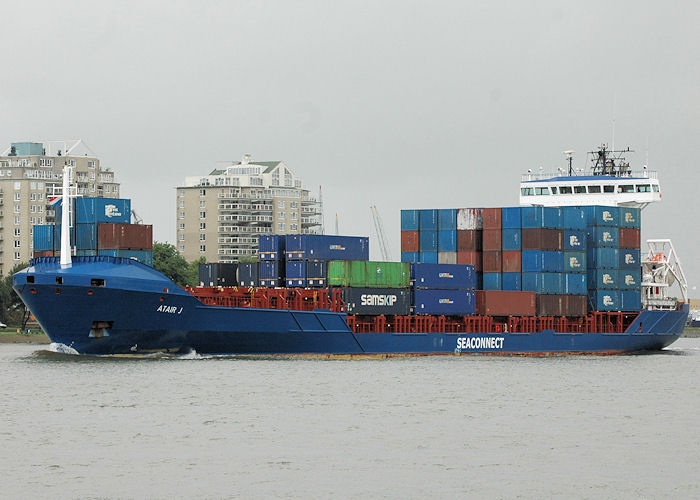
{"points": [[221, 215], [29, 172]]}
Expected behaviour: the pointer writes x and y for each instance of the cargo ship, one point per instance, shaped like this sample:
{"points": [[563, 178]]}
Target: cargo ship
{"points": [[526, 280]]}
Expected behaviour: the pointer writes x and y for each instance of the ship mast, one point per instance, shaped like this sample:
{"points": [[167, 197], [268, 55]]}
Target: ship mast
{"points": [[67, 195]]}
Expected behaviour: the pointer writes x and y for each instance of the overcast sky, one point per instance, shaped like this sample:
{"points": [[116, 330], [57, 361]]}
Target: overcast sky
{"points": [[399, 104]]}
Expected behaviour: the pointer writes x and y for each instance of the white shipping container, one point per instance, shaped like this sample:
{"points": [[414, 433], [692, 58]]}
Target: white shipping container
{"points": [[470, 218], [447, 257]]}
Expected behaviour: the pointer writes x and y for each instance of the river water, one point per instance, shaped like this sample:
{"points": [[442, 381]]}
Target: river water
{"points": [[221, 427]]}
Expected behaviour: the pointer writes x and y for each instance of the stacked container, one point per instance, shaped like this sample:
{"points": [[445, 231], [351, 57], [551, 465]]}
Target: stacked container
{"points": [[218, 274], [491, 246], [307, 257], [443, 289], [511, 242]]}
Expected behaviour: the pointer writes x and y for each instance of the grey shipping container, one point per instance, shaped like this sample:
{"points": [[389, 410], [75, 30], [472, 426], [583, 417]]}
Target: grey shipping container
{"points": [[376, 301]]}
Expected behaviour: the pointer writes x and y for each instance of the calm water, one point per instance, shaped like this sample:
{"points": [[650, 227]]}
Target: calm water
{"points": [[593, 427]]}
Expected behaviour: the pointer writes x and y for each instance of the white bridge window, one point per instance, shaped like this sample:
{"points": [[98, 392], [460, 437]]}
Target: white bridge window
{"points": [[625, 188], [643, 188], [594, 189], [655, 188], [527, 191], [608, 189], [580, 189], [544, 190], [564, 189]]}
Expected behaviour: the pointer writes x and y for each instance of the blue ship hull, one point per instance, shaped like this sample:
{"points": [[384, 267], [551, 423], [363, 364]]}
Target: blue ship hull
{"points": [[107, 305]]}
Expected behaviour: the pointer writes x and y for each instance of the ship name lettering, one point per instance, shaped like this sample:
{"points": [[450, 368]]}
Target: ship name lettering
{"points": [[169, 309], [480, 342]]}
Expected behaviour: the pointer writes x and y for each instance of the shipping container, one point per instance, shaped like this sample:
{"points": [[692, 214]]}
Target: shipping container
{"points": [[630, 217], [368, 274], [428, 241], [442, 276], [630, 300], [629, 279], [540, 217], [492, 218], [601, 216], [505, 303], [629, 258], [574, 262], [630, 237], [551, 305], [603, 258], [93, 253], [544, 283], [603, 236], [143, 256], [573, 218], [511, 281], [472, 259], [410, 257], [95, 210], [271, 272], [317, 273], [248, 274], [491, 239], [447, 219], [57, 237], [410, 241], [511, 239], [469, 240], [377, 301], [603, 279], [510, 218], [542, 261], [295, 273], [574, 240], [576, 305], [492, 281], [410, 220], [492, 262], [542, 239], [470, 219], [86, 237], [444, 302], [43, 253], [428, 257], [575, 284], [117, 236], [326, 247], [218, 274], [428, 220], [605, 300], [271, 246], [42, 238], [447, 257], [447, 241], [511, 261]]}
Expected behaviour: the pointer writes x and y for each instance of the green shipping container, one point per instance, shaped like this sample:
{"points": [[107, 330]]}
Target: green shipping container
{"points": [[369, 274]]}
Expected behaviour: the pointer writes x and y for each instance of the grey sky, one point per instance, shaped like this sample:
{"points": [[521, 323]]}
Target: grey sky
{"points": [[398, 104]]}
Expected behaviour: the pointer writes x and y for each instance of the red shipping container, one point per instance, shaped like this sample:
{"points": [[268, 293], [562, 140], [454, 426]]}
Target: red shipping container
{"points": [[576, 305], [630, 237], [492, 218], [551, 305], [505, 303], [124, 236], [542, 239], [409, 241], [492, 239], [471, 258], [469, 240], [512, 261], [492, 261], [43, 253]]}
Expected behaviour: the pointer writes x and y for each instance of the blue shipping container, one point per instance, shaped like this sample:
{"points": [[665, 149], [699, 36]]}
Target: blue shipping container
{"points": [[493, 281], [510, 218], [603, 258], [443, 276], [410, 220], [574, 262], [573, 218], [270, 269], [428, 220], [447, 241], [143, 256], [630, 279], [603, 236], [575, 284], [326, 247], [601, 215], [447, 219], [630, 217], [631, 301], [248, 273], [605, 300], [86, 236], [603, 279], [630, 258], [316, 273], [547, 261], [410, 256], [295, 273], [428, 257], [271, 247], [96, 210], [428, 241], [511, 239], [444, 302], [574, 240], [511, 281], [42, 238], [540, 217], [543, 283]]}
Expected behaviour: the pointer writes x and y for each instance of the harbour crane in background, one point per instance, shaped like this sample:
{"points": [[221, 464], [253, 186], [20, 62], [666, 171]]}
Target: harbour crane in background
{"points": [[381, 237], [136, 218]]}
